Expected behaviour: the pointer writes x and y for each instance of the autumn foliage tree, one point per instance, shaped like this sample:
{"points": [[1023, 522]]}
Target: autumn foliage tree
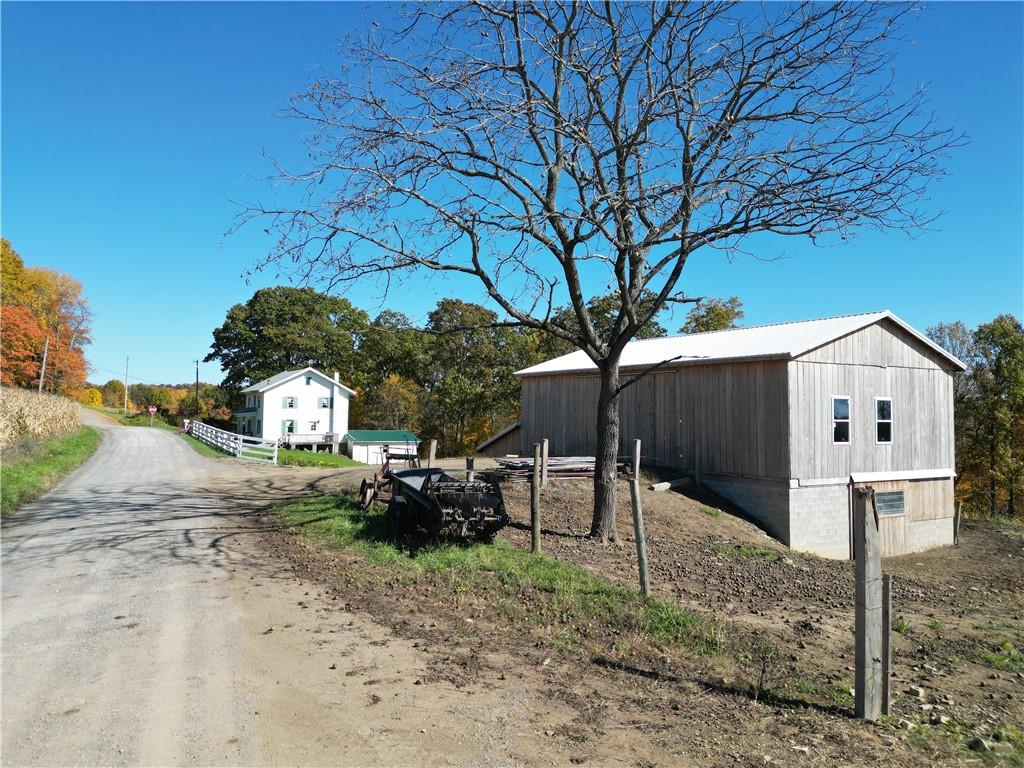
{"points": [[988, 403], [40, 304]]}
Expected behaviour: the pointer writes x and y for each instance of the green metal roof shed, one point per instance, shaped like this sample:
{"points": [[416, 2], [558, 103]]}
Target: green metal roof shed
{"points": [[381, 436]]}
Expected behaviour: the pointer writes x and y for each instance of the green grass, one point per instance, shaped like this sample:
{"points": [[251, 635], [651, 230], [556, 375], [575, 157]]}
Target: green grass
{"points": [[134, 419], [203, 449], [25, 480], [901, 625], [1004, 656], [744, 550], [291, 458], [548, 592]]}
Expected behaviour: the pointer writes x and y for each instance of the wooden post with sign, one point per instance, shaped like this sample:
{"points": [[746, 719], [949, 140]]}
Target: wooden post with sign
{"points": [[886, 638], [544, 463], [535, 502], [868, 650], [638, 522]]}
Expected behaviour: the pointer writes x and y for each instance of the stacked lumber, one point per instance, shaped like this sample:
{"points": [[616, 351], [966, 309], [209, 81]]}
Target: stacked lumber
{"points": [[521, 467]]}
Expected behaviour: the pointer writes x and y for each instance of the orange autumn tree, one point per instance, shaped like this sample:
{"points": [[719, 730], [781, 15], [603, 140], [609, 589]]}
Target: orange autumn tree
{"points": [[40, 304], [21, 346]]}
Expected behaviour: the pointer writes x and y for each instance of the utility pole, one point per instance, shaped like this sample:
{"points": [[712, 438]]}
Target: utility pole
{"points": [[126, 384], [197, 388], [42, 369]]}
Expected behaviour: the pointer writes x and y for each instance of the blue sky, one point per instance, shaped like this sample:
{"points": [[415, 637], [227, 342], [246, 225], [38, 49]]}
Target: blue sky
{"points": [[130, 129]]}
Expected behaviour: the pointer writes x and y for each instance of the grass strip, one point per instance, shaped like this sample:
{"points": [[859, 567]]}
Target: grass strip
{"points": [[553, 594], [203, 449], [25, 480], [292, 458]]}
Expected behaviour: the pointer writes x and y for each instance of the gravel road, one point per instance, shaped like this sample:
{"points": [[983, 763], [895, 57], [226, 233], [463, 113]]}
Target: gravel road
{"points": [[139, 628]]}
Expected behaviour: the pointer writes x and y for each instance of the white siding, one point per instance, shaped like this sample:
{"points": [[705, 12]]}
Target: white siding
{"points": [[331, 420]]}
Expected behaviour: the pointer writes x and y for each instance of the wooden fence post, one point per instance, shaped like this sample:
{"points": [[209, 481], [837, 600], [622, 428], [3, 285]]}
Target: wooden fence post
{"points": [[886, 640], [956, 523], [544, 463], [432, 456], [868, 608], [638, 522], [470, 474], [535, 502]]}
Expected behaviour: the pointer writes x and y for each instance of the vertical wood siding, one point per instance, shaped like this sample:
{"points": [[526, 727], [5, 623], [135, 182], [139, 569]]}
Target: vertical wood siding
{"points": [[890, 365], [735, 414], [923, 500]]}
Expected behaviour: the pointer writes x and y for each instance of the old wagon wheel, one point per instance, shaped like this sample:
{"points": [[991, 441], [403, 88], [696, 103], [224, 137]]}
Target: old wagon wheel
{"points": [[367, 493]]}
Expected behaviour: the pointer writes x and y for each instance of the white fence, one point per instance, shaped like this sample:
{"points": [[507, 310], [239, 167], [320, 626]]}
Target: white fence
{"points": [[245, 448]]}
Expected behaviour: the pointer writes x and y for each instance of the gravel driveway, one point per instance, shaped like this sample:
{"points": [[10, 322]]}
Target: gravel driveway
{"points": [[140, 629]]}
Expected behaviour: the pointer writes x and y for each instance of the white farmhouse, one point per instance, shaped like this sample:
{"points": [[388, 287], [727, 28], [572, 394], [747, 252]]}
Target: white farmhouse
{"points": [[304, 407]]}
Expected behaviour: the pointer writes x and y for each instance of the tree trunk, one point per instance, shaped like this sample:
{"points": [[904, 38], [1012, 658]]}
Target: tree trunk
{"points": [[606, 459]]}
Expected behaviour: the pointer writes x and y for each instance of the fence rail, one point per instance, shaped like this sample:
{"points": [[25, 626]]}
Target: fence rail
{"points": [[241, 446]]}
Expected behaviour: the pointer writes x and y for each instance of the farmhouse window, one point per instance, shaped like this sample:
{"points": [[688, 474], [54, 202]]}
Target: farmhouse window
{"points": [[287, 427], [309, 380], [324, 402], [289, 402], [840, 420], [889, 503], [883, 420], [313, 426]]}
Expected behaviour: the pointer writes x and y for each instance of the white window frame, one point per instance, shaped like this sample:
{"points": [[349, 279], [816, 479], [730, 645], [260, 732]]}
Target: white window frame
{"points": [[890, 421], [848, 419], [285, 406], [323, 402]]}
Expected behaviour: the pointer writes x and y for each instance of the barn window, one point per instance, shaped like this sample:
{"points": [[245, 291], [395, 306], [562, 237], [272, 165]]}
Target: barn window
{"points": [[889, 503], [841, 420], [883, 420]]}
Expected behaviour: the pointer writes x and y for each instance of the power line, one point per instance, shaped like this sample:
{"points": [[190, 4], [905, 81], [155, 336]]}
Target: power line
{"points": [[135, 378]]}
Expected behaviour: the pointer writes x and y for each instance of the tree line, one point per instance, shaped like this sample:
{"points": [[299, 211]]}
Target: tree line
{"points": [[172, 401], [43, 314], [988, 409], [451, 379]]}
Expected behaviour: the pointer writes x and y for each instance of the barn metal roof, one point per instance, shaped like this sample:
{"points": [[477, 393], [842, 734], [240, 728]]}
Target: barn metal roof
{"points": [[763, 342]]}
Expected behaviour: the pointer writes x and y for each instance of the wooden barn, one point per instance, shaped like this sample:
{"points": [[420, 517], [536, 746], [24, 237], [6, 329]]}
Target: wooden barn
{"points": [[783, 420]]}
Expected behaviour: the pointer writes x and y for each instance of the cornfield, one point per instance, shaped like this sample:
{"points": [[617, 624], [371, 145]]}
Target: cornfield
{"points": [[27, 413]]}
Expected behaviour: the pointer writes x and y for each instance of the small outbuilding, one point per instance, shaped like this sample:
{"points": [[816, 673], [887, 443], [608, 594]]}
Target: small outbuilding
{"points": [[783, 420], [368, 445]]}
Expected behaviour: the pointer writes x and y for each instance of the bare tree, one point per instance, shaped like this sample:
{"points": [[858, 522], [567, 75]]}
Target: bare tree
{"points": [[542, 148]]}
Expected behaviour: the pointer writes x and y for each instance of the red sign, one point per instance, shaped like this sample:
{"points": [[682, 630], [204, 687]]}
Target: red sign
{"points": [[152, 409]]}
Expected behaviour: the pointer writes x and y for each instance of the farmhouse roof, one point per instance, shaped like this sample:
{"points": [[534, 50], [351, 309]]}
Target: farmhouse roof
{"points": [[281, 378], [763, 342], [381, 436]]}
